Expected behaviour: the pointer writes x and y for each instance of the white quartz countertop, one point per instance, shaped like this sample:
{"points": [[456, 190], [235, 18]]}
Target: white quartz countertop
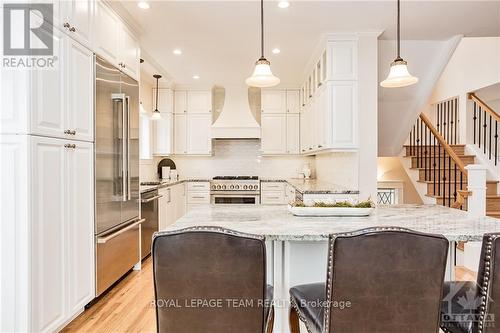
{"points": [[276, 223]]}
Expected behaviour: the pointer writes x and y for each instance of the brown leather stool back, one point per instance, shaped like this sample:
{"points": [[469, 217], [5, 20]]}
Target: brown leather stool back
{"points": [[209, 280], [392, 277], [488, 281]]}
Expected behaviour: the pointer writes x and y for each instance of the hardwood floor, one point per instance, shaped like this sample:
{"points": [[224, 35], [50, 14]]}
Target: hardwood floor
{"points": [[128, 306]]}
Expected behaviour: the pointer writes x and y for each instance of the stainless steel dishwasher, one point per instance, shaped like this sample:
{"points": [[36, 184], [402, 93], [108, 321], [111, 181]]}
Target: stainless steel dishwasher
{"points": [[149, 211]]}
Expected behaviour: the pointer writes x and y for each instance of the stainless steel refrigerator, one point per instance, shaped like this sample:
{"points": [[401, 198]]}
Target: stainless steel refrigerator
{"points": [[116, 174]]}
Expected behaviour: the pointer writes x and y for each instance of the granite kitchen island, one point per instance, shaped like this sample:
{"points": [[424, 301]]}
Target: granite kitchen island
{"points": [[297, 246]]}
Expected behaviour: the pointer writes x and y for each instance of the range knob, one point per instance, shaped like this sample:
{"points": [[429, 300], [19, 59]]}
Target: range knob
{"points": [[213, 187], [231, 187], [218, 187], [237, 187], [245, 187], [255, 187], [223, 187]]}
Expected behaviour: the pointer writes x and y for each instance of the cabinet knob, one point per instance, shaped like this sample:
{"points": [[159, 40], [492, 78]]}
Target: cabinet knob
{"points": [[70, 132], [70, 145], [123, 65], [72, 29], [66, 25]]}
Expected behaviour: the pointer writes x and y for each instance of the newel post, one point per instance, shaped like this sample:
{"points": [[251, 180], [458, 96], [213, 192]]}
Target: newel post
{"points": [[476, 183]]}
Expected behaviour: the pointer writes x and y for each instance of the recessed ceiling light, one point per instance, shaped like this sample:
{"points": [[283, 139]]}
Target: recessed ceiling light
{"points": [[177, 51], [283, 4], [276, 51], [143, 5], [196, 77]]}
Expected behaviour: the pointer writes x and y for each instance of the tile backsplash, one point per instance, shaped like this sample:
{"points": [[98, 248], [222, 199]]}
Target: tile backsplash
{"points": [[236, 157]]}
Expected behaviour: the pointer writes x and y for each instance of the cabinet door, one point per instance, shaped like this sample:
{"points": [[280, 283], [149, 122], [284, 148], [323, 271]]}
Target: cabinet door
{"points": [[79, 82], [180, 134], [199, 102], [80, 226], [273, 133], [292, 133], [77, 19], [163, 134], [48, 115], [343, 60], [180, 102], [48, 233], [199, 134], [165, 100], [344, 114], [106, 36], [323, 116], [273, 101], [180, 200], [292, 101], [163, 209], [129, 52]]}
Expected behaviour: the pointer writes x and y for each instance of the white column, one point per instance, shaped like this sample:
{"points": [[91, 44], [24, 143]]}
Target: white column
{"points": [[476, 183]]}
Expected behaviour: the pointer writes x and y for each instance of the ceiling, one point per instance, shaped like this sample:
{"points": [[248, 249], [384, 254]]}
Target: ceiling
{"points": [[220, 40]]}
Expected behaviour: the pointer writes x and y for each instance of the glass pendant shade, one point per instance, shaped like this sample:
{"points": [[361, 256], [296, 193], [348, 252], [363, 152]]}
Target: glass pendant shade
{"points": [[399, 76], [156, 115], [262, 76]]}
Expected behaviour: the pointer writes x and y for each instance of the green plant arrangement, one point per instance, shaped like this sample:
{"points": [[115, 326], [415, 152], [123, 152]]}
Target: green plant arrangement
{"points": [[346, 204]]}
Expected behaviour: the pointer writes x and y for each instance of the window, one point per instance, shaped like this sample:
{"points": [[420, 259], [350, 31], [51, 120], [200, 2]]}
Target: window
{"points": [[145, 137], [387, 196]]}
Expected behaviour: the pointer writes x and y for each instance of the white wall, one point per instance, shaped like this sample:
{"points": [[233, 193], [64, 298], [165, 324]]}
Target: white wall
{"points": [[341, 169], [474, 65], [236, 157]]}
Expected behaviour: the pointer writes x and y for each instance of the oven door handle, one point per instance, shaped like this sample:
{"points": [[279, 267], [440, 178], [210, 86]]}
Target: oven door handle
{"points": [[151, 199]]}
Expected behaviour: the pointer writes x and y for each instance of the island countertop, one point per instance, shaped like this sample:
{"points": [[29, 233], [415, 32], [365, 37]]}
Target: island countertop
{"points": [[276, 223]]}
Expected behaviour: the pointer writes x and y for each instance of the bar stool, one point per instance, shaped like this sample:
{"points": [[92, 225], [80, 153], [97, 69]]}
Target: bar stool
{"points": [[469, 307], [383, 279], [211, 280]]}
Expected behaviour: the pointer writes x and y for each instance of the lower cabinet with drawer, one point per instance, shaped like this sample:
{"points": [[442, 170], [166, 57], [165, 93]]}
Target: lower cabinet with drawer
{"points": [[198, 194], [273, 193]]}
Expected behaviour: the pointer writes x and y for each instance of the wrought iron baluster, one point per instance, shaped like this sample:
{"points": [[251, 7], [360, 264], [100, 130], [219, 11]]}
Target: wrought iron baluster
{"points": [[479, 128], [438, 112], [461, 184], [434, 165], [474, 119], [426, 148], [452, 122], [449, 181], [455, 184], [439, 168], [456, 119], [496, 140], [484, 133], [489, 146]]}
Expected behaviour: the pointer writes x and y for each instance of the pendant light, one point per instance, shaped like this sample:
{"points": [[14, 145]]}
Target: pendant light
{"points": [[262, 76], [156, 114], [398, 74]]}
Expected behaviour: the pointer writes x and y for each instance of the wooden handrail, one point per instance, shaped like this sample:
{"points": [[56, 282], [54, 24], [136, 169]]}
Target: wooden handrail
{"points": [[484, 106], [461, 196], [443, 143]]}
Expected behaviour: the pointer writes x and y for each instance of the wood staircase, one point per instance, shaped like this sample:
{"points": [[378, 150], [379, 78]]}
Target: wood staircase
{"points": [[448, 177]]}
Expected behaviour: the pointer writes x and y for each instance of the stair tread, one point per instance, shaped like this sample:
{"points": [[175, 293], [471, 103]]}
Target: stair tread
{"points": [[415, 168], [446, 182], [435, 145], [488, 196], [461, 156]]}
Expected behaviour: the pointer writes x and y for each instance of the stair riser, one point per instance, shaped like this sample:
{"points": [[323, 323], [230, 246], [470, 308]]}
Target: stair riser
{"points": [[430, 176], [445, 162], [490, 190], [493, 204], [457, 150]]}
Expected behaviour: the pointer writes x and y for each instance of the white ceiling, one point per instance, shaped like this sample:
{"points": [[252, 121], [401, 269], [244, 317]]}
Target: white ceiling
{"points": [[220, 40]]}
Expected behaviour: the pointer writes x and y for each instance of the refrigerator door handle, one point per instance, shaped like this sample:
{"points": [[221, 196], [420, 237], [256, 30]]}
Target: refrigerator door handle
{"points": [[102, 240], [124, 152], [129, 194]]}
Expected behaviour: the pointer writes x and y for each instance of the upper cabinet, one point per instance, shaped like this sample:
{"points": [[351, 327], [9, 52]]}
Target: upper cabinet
{"points": [[163, 129], [273, 101], [76, 20], [329, 99], [114, 41], [192, 101]]}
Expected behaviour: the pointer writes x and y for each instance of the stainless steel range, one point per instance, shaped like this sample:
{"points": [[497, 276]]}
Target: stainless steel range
{"points": [[235, 190]]}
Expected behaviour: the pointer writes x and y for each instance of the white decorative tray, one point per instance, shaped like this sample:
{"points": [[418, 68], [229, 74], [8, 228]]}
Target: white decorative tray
{"points": [[330, 211]]}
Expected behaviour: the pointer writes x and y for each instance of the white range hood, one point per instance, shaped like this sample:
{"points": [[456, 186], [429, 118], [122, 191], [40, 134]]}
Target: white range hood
{"points": [[235, 117]]}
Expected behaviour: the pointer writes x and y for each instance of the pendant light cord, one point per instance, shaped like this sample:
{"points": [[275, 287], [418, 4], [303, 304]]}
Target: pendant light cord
{"points": [[399, 33], [262, 28], [156, 109]]}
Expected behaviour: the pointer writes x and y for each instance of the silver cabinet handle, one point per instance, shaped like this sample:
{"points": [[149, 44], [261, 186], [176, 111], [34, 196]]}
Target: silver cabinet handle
{"points": [[151, 199], [72, 29], [169, 195], [70, 132], [66, 25], [102, 240], [195, 197], [70, 145], [199, 186]]}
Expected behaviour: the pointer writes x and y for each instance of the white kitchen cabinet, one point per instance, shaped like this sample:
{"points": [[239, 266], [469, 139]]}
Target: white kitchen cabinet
{"points": [[129, 52], [273, 193], [289, 193], [62, 101], [163, 129], [171, 205], [179, 199], [198, 194], [199, 138], [180, 134], [107, 33], [180, 101], [273, 133], [343, 60], [273, 101], [293, 133], [199, 101], [80, 226], [62, 231], [163, 208], [76, 20], [343, 114], [292, 101]]}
